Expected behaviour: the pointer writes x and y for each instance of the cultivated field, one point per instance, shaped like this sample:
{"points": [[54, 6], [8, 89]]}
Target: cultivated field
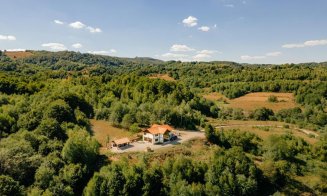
{"points": [[18, 54], [101, 129], [163, 77]]}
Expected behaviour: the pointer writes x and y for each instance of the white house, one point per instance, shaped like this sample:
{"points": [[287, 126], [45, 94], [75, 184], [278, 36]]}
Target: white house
{"points": [[157, 134]]}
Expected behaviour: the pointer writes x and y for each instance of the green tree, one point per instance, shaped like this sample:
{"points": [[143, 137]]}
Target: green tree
{"points": [[81, 148], [9, 187]]}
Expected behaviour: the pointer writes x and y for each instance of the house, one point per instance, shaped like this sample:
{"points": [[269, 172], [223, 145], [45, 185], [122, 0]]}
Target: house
{"points": [[158, 134], [120, 143]]}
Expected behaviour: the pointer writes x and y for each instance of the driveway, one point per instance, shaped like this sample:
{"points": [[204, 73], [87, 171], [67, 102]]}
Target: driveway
{"points": [[141, 146]]}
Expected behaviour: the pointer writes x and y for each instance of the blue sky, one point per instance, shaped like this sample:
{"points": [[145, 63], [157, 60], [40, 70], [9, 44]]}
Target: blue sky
{"points": [[249, 31]]}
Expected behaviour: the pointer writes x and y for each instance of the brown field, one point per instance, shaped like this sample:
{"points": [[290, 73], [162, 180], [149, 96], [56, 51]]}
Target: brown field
{"points": [[18, 55], [101, 129], [253, 101], [163, 77]]}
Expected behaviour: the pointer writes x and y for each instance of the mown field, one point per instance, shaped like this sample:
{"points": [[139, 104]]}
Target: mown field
{"points": [[252, 101]]}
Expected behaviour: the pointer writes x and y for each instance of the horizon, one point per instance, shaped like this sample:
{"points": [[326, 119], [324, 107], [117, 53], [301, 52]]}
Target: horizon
{"points": [[242, 31], [135, 57]]}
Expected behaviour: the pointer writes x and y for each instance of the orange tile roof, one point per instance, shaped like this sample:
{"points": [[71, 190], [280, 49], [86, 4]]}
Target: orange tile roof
{"points": [[121, 141], [155, 129]]}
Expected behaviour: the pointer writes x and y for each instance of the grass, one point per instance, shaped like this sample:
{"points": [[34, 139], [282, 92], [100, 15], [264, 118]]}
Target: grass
{"points": [[163, 77], [101, 129], [263, 129], [253, 101], [18, 54]]}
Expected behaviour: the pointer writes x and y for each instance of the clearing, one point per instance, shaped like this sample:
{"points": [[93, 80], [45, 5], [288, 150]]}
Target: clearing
{"points": [[101, 129], [141, 146], [163, 77], [264, 129], [18, 54], [252, 101]]}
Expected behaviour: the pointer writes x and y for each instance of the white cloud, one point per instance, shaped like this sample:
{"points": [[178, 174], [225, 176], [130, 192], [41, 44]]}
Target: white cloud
{"points": [[16, 50], [293, 46], [77, 25], [173, 55], [269, 54], [103, 52], [273, 54], [229, 5], [77, 45], [249, 58], [58, 22], [180, 48], [309, 43], [190, 21], [7, 37], [94, 30], [201, 56], [204, 28], [55, 46], [204, 54], [207, 51]]}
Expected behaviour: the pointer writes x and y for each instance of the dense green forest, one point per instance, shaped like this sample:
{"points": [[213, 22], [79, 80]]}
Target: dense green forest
{"points": [[47, 148]]}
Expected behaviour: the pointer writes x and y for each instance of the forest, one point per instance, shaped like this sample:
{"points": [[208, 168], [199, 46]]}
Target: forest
{"points": [[47, 145]]}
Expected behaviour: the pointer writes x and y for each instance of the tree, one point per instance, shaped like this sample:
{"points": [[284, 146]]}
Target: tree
{"points": [[272, 98], [81, 148], [231, 172], [9, 187], [210, 133], [262, 114]]}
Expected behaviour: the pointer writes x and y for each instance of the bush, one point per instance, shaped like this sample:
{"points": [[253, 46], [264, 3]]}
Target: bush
{"points": [[272, 98]]}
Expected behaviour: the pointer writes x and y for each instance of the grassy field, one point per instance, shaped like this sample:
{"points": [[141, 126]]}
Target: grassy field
{"points": [[18, 54], [163, 77], [252, 101], [101, 129], [263, 129]]}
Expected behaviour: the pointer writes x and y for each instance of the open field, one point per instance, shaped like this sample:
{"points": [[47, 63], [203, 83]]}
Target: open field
{"points": [[264, 129], [101, 129], [163, 77], [18, 54], [253, 101]]}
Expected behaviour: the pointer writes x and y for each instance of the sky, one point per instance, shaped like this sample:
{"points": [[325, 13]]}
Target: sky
{"points": [[247, 31]]}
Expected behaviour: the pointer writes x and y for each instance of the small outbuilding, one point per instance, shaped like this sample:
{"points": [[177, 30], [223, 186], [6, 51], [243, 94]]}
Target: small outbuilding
{"points": [[120, 143]]}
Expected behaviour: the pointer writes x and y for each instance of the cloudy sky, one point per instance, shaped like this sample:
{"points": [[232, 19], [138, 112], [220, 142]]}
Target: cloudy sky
{"points": [[249, 31]]}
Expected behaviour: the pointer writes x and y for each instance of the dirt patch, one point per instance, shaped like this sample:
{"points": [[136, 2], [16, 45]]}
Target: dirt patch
{"points": [[253, 101], [101, 129], [163, 77], [18, 54]]}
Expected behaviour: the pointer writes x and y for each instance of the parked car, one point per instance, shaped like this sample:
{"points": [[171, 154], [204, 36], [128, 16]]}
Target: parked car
{"points": [[174, 137]]}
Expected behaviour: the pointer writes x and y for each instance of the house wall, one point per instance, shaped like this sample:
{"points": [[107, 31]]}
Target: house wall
{"points": [[156, 138]]}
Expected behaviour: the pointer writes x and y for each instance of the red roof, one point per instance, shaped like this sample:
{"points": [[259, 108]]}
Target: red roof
{"points": [[155, 129]]}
